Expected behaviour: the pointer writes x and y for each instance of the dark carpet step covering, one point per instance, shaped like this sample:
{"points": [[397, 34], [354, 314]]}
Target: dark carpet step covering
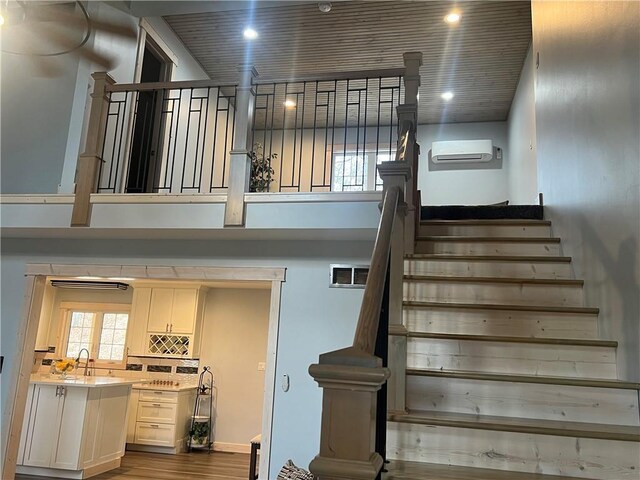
{"points": [[482, 212]]}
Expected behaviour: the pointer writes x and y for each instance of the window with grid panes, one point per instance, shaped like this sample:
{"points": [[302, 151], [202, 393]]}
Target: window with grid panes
{"points": [[356, 171], [103, 332]]}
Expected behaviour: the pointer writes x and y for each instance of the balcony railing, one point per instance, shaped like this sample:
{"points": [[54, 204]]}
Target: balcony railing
{"points": [[328, 134], [322, 133], [167, 138]]}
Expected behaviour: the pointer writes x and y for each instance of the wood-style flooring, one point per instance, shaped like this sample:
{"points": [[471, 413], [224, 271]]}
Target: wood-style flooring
{"points": [[192, 466]]}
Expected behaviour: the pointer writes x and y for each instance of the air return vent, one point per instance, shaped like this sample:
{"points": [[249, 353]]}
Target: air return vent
{"points": [[349, 276]]}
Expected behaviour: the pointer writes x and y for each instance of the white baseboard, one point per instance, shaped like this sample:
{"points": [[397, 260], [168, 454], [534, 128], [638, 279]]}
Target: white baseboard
{"points": [[232, 447]]}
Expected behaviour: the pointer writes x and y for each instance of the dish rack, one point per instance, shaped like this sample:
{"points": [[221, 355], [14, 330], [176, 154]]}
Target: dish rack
{"points": [[201, 430]]}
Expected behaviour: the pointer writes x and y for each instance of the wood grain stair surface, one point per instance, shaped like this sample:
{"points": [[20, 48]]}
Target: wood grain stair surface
{"points": [[520, 425], [403, 470], [510, 339], [521, 281], [504, 221], [469, 239], [513, 378], [516, 308], [445, 257]]}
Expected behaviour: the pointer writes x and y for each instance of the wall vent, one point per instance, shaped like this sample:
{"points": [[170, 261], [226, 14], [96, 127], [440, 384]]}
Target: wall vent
{"points": [[348, 276]]}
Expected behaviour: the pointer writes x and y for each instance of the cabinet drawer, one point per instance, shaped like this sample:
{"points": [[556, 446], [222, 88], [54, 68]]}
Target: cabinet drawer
{"points": [[158, 396], [157, 412], [155, 434]]}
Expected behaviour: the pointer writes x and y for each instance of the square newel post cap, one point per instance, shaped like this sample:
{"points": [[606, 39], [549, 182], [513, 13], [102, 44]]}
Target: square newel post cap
{"points": [[412, 57], [247, 73], [103, 77]]}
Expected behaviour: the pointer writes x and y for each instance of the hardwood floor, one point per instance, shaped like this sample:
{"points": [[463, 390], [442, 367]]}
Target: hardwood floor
{"points": [[192, 466]]}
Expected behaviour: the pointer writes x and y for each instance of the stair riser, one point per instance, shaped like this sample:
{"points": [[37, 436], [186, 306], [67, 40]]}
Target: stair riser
{"points": [[487, 248], [457, 268], [494, 293], [523, 400], [539, 231], [553, 455], [500, 322], [516, 358]]}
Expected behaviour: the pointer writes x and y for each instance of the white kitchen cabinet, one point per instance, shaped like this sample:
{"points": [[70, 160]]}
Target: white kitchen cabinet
{"points": [[138, 321], [166, 320], [162, 420], [161, 310], [184, 310], [73, 428]]}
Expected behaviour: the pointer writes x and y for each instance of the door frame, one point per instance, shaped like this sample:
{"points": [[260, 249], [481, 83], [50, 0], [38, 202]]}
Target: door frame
{"points": [[147, 37], [36, 275]]}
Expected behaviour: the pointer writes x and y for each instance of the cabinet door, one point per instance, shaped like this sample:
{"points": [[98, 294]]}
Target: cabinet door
{"points": [[132, 415], [43, 427], [66, 452], [183, 313], [138, 322], [160, 310]]}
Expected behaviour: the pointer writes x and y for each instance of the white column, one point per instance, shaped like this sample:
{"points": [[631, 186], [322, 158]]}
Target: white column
{"points": [[240, 162]]}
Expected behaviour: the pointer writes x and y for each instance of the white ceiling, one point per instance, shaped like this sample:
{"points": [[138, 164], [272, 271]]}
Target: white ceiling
{"points": [[480, 59]]}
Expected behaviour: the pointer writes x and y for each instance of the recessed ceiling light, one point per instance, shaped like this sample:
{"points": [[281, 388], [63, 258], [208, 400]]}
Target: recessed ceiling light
{"points": [[250, 34], [289, 103], [453, 17], [447, 96], [324, 7]]}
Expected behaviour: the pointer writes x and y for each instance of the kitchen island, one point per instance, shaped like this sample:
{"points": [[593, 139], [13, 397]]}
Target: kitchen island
{"points": [[74, 427]]}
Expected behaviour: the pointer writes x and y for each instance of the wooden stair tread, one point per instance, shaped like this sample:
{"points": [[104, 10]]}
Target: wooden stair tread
{"points": [[511, 339], [515, 378], [504, 221], [462, 238], [530, 281], [490, 306], [520, 425], [403, 470], [488, 258]]}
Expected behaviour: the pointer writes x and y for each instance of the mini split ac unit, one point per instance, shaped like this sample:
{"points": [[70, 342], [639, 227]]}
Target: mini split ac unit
{"points": [[462, 151]]}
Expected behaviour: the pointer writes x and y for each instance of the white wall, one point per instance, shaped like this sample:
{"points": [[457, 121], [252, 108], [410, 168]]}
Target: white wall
{"points": [[42, 117], [465, 186], [313, 319], [234, 341], [587, 121], [522, 168]]}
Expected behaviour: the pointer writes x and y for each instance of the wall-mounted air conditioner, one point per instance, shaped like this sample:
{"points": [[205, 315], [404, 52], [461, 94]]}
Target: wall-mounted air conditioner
{"points": [[462, 151]]}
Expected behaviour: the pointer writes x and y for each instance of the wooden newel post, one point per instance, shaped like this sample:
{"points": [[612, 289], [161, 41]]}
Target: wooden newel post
{"points": [[90, 162], [397, 174], [408, 113], [350, 379], [240, 162]]}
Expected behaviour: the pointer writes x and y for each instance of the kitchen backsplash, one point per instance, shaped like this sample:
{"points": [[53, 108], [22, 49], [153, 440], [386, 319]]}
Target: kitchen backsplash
{"points": [[176, 369]]}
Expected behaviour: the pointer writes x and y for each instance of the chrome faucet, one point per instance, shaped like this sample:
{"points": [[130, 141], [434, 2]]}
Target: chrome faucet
{"points": [[86, 365]]}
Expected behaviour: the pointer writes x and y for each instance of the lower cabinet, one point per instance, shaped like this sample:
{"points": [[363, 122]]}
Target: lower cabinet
{"points": [[72, 428], [162, 420]]}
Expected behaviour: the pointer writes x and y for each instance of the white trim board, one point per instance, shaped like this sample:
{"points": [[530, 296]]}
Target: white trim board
{"points": [[28, 328], [232, 447]]}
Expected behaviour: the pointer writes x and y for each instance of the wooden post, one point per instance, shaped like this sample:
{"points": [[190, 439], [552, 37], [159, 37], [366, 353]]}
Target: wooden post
{"points": [[350, 379], [397, 174], [90, 162], [408, 112], [240, 162]]}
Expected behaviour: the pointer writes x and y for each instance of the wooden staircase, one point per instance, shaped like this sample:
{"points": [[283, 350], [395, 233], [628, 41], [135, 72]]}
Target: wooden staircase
{"points": [[506, 377]]}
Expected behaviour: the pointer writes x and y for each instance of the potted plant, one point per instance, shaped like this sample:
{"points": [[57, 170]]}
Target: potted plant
{"points": [[199, 433], [261, 170]]}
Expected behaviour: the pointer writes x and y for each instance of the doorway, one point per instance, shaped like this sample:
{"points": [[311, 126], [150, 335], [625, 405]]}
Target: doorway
{"points": [[146, 144]]}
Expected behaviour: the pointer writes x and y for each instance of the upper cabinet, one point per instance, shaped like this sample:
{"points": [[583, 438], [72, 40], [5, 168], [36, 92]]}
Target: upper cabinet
{"points": [[167, 320]]}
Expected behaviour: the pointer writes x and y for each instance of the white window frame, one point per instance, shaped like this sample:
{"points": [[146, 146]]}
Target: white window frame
{"points": [[99, 309], [372, 153]]}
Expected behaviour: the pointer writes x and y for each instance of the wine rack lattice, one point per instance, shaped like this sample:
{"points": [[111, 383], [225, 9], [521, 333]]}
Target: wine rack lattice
{"points": [[169, 344]]}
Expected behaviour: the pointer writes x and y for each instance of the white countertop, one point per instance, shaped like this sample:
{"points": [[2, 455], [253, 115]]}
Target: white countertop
{"points": [[81, 381], [164, 388]]}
